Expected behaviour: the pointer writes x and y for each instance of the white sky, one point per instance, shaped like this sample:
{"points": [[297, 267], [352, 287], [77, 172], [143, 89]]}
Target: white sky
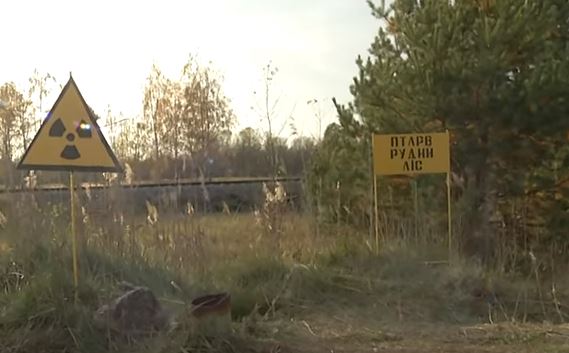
{"points": [[110, 46]]}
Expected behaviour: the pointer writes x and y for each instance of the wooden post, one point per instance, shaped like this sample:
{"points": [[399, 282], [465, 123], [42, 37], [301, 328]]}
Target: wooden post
{"points": [[375, 192], [74, 236], [449, 211]]}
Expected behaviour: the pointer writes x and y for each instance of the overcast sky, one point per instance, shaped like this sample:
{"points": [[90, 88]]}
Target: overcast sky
{"points": [[110, 46]]}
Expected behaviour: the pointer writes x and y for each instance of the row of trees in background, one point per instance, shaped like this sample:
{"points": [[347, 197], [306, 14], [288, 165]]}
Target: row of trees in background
{"points": [[185, 131], [248, 153]]}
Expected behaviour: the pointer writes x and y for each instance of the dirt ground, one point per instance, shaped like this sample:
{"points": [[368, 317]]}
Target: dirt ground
{"points": [[333, 333], [421, 339]]}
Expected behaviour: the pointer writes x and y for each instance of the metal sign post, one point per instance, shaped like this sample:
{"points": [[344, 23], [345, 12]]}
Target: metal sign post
{"points": [[69, 139], [412, 154]]}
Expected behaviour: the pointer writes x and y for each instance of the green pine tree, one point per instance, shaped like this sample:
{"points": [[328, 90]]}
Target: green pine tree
{"points": [[496, 74]]}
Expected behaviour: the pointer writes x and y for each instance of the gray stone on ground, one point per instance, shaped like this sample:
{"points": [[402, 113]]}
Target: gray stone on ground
{"points": [[137, 310]]}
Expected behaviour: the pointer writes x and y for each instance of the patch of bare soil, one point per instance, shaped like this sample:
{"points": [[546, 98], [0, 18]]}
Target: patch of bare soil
{"points": [[335, 334]]}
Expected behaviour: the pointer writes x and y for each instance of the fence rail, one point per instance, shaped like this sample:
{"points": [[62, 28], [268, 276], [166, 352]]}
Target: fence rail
{"points": [[156, 184]]}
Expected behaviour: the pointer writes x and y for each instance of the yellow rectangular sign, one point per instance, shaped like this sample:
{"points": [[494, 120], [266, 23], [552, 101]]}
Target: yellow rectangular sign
{"points": [[427, 153]]}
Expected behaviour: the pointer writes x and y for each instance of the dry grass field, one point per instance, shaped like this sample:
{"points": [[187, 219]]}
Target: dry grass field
{"points": [[295, 286]]}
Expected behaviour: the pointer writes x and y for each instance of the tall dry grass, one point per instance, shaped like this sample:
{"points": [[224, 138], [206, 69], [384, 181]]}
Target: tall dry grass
{"points": [[273, 263], [178, 256]]}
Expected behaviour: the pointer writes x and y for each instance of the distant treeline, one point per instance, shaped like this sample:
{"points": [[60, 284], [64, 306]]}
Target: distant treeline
{"points": [[246, 154], [186, 130]]}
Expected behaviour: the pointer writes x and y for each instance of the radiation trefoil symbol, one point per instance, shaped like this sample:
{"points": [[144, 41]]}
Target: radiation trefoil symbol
{"points": [[82, 130]]}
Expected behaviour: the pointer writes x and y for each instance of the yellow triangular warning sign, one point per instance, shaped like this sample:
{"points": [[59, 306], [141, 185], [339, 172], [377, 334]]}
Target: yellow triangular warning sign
{"points": [[70, 139]]}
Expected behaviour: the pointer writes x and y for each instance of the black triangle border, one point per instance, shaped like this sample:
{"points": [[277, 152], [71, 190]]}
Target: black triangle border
{"points": [[116, 169]]}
